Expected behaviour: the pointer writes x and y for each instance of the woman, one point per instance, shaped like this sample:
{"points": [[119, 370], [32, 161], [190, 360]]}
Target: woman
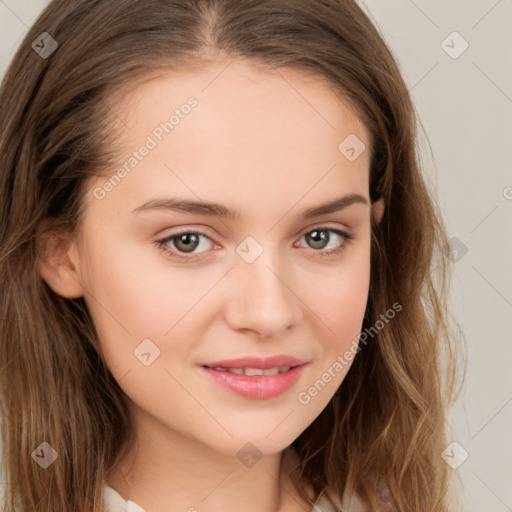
{"points": [[216, 257]]}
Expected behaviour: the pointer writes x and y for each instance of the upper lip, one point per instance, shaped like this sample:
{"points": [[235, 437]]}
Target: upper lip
{"points": [[262, 363]]}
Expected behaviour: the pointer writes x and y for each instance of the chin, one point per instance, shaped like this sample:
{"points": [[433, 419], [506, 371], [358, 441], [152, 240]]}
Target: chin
{"points": [[255, 441]]}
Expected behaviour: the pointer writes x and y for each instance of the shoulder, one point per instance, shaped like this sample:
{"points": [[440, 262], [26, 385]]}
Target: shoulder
{"points": [[353, 503], [114, 502], [333, 497], [350, 502]]}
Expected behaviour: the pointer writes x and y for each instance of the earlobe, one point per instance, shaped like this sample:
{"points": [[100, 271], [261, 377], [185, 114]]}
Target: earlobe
{"points": [[57, 264], [378, 208]]}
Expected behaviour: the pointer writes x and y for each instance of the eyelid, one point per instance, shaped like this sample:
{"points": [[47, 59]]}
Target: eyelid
{"points": [[204, 230], [325, 225]]}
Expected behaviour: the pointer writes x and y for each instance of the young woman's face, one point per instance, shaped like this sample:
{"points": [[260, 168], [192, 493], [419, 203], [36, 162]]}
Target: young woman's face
{"points": [[263, 280]]}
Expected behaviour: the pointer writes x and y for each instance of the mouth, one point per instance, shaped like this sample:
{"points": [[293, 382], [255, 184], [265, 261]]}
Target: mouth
{"points": [[257, 363], [251, 372], [256, 380]]}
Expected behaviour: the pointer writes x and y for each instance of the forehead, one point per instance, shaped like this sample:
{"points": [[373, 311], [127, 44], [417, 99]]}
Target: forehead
{"points": [[238, 95], [253, 136]]}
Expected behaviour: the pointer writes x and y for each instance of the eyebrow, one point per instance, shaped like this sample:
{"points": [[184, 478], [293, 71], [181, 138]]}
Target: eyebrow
{"points": [[219, 210]]}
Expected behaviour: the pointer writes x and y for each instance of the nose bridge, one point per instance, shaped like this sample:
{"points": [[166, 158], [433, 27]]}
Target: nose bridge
{"points": [[263, 298]]}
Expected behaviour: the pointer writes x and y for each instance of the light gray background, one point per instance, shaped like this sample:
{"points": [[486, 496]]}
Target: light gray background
{"points": [[465, 106]]}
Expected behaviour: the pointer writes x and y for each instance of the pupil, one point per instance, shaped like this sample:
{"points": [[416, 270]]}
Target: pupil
{"points": [[319, 236], [188, 239]]}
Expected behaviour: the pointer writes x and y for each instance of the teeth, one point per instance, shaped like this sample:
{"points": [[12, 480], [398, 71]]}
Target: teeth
{"points": [[254, 371], [238, 371]]}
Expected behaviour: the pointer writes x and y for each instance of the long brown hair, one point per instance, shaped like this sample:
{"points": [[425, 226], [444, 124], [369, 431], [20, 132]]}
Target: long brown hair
{"points": [[385, 426]]}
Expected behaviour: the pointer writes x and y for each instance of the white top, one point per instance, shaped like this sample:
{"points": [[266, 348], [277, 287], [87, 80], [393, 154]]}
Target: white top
{"points": [[114, 502]]}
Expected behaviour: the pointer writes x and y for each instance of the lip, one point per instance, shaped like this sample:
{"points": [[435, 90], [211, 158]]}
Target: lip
{"points": [[259, 387], [257, 362]]}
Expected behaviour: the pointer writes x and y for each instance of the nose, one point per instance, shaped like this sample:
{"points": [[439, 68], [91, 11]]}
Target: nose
{"points": [[263, 296]]}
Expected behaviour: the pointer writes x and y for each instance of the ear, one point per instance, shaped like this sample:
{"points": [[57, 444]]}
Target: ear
{"points": [[58, 263], [378, 209]]}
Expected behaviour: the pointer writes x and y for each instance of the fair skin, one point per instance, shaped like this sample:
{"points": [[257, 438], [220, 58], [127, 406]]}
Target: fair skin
{"points": [[255, 145]]}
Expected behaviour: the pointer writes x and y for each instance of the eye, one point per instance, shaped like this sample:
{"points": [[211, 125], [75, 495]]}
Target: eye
{"points": [[321, 237], [178, 245], [185, 242]]}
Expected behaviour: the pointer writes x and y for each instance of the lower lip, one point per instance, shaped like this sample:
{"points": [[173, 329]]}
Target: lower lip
{"points": [[259, 386]]}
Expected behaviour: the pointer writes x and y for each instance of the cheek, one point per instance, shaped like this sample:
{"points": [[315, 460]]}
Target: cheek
{"points": [[133, 296], [339, 308], [126, 283], [128, 301], [339, 299]]}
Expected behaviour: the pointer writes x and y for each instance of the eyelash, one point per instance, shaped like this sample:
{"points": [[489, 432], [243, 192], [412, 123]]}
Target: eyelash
{"points": [[347, 239]]}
